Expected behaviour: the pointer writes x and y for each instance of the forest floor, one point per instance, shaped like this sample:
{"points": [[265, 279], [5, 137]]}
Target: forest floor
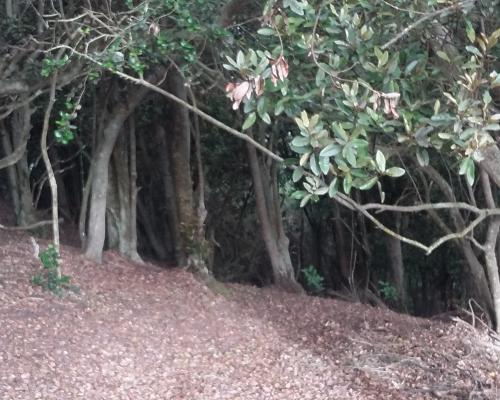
{"points": [[141, 332]]}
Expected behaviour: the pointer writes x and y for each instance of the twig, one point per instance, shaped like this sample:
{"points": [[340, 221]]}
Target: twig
{"points": [[426, 17], [27, 227]]}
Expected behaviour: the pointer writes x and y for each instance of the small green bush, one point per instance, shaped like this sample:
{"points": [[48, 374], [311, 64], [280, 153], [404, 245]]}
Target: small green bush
{"points": [[314, 281], [388, 291], [48, 278]]}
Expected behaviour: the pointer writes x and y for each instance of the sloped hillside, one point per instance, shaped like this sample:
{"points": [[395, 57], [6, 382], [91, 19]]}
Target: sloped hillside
{"points": [[143, 332]]}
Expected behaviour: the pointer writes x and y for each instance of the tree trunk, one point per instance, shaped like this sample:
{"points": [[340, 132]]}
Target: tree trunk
{"points": [[191, 250], [20, 173], [272, 228], [478, 281], [122, 196], [50, 171], [395, 253], [100, 165], [341, 246], [492, 267], [490, 248], [172, 236]]}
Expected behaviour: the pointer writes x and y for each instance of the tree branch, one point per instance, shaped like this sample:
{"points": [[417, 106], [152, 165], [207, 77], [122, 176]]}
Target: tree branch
{"points": [[205, 116], [482, 215], [28, 227], [426, 17]]}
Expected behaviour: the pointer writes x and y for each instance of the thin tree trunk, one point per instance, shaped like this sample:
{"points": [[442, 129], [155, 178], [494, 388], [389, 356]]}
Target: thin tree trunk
{"points": [[492, 267], [171, 239], [341, 244], [490, 248], [11, 171], [50, 171], [395, 255], [133, 253]]}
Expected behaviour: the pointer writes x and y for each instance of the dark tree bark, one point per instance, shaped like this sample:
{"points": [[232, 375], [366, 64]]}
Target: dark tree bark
{"points": [[477, 281], [14, 143], [269, 213], [191, 246]]}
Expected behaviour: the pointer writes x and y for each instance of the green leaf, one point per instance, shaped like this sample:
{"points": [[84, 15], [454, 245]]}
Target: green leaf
{"points": [[474, 50], [305, 119], [266, 118], [487, 98], [468, 168], [314, 165], [469, 29], [266, 32], [382, 57], [423, 157], [443, 55], [304, 158], [395, 172], [299, 194], [349, 153], [298, 173], [369, 184], [463, 166], [380, 159], [331, 150], [411, 66], [240, 59], [324, 165], [294, 5], [321, 191], [305, 200], [249, 121], [470, 173], [339, 131], [347, 184], [300, 141], [333, 188]]}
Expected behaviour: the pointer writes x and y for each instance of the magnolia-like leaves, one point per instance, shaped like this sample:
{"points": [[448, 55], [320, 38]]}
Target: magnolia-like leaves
{"points": [[249, 121], [279, 70], [468, 168], [380, 159], [395, 172]]}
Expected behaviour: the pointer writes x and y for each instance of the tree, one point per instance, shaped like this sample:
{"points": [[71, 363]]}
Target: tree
{"points": [[369, 83]]}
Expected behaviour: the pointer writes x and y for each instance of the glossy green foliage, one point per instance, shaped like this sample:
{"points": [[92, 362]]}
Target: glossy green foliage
{"points": [[362, 95]]}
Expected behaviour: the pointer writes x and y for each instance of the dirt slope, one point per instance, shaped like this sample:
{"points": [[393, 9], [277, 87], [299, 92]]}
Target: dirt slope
{"points": [[144, 333]]}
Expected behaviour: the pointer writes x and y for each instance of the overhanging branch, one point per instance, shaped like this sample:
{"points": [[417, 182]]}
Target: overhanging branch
{"points": [[481, 216], [197, 111]]}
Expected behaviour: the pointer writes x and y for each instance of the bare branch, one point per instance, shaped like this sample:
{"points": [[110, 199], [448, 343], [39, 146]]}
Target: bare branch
{"points": [[431, 206], [482, 215], [205, 116], [27, 227], [426, 17]]}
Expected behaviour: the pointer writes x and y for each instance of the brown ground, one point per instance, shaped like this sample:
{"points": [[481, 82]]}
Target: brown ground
{"points": [[144, 333]]}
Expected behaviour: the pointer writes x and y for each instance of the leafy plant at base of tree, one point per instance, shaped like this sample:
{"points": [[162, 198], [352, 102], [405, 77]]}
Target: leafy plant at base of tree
{"points": [[388, 291], [314, 281], [48, 278]]}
